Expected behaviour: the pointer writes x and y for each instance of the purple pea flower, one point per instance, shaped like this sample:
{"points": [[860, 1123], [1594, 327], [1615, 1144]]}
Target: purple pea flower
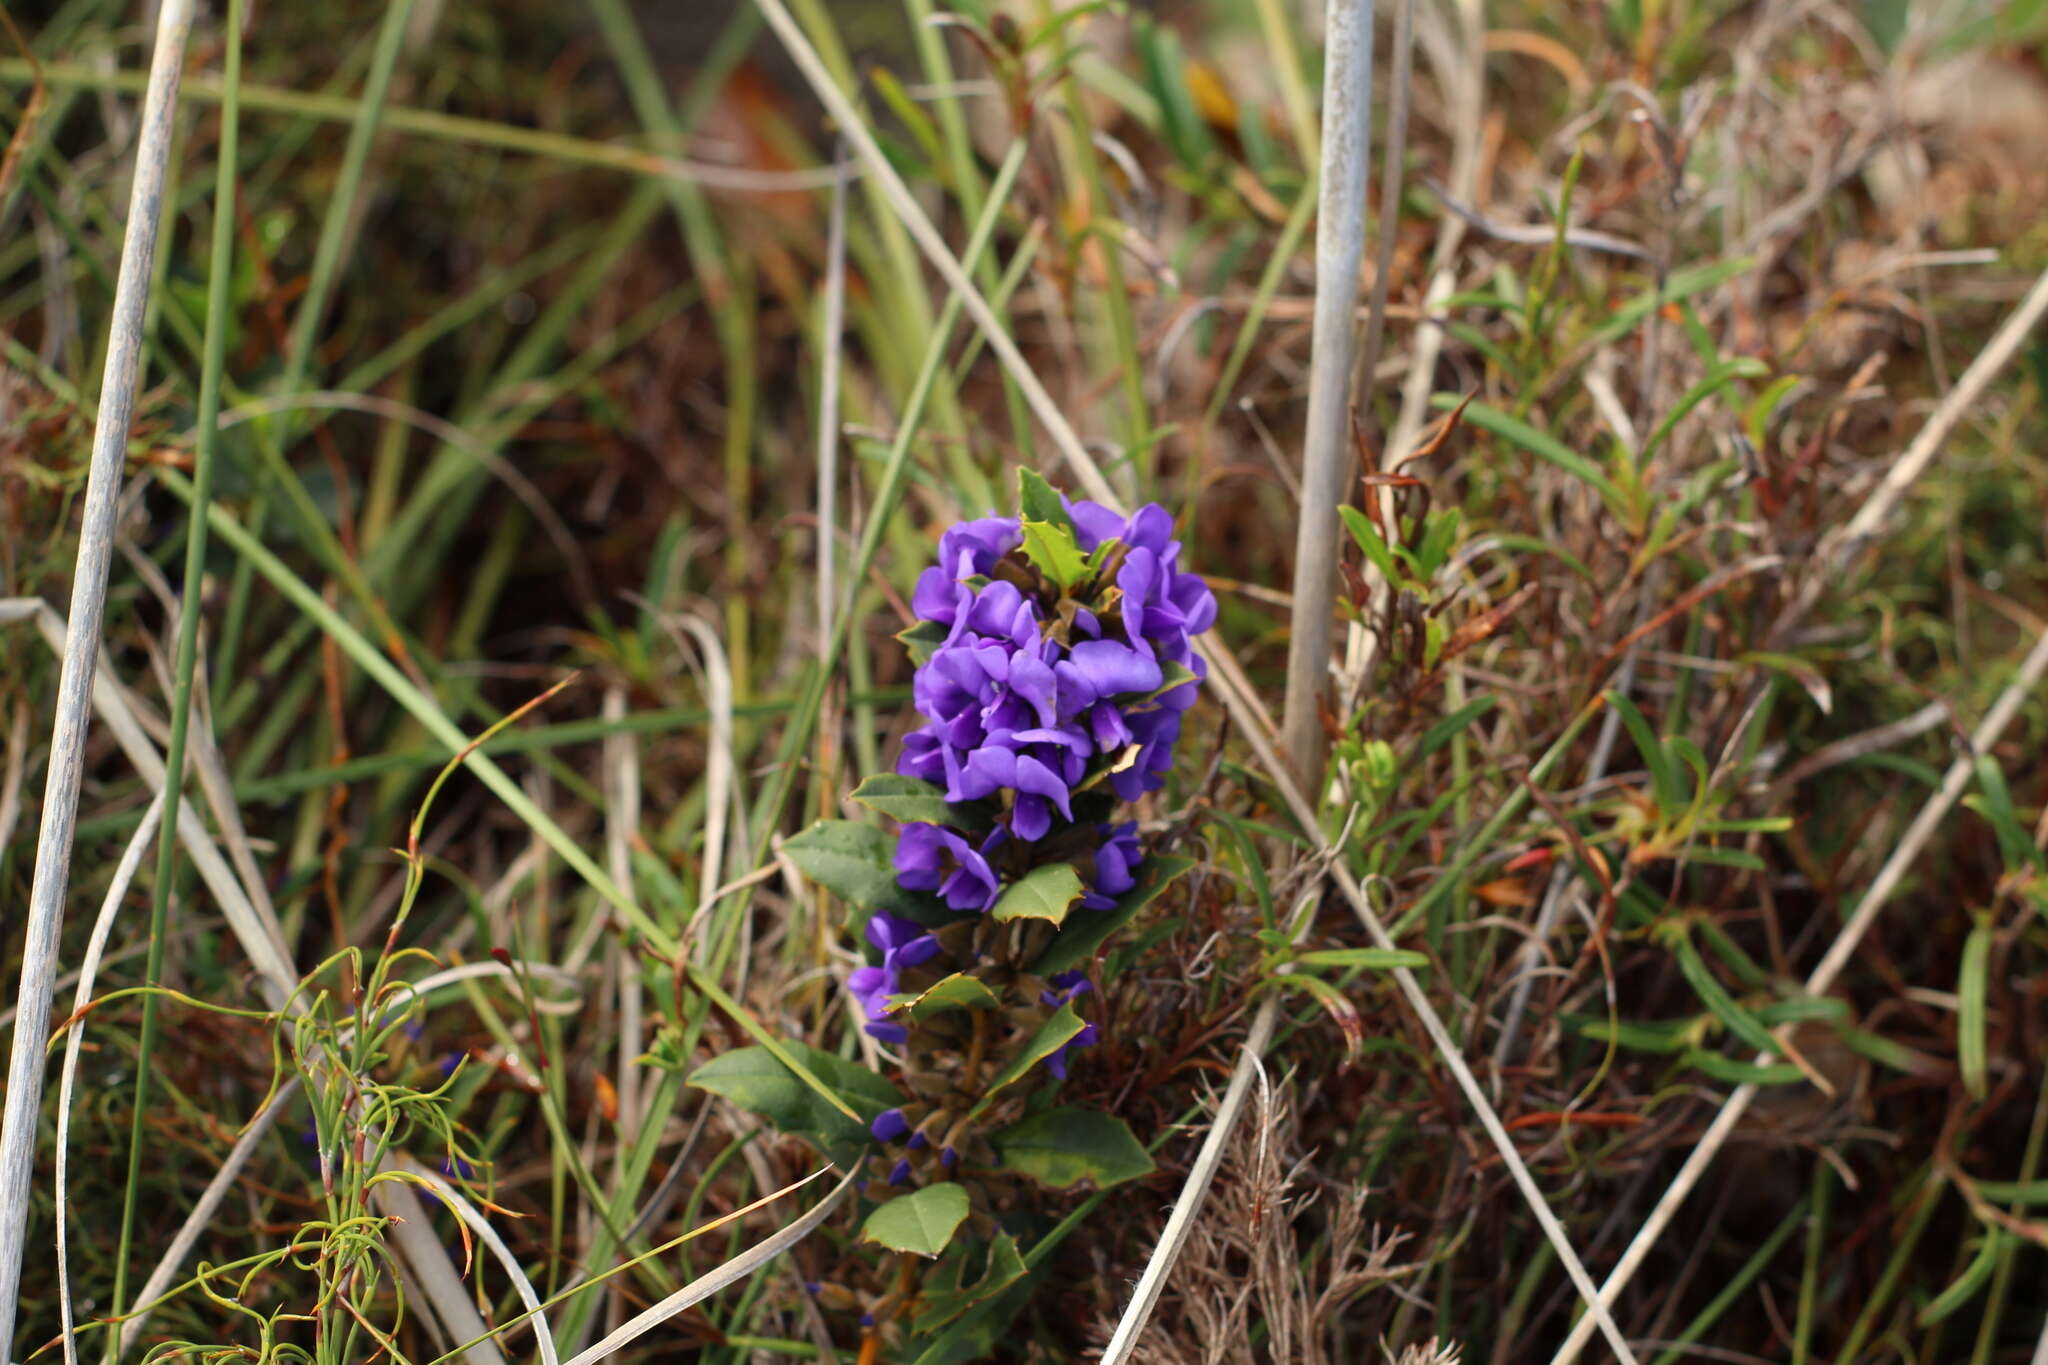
{"points": [[934, 858], [903, 944], [1068, 987], [1116, 866], [890, 1126]]}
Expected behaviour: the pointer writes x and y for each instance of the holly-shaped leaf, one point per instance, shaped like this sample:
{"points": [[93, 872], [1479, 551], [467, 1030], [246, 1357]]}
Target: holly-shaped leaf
{"points": [[1052, 1035], [921, 1222], [956, 992], [914, 801], [1039, 500], [1045, 893], [923, 639], [1051, 546], [854, 862], [1078, 941], [1062, 1147]]}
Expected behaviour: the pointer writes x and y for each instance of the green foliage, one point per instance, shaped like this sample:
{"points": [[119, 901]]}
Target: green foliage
{"points": [[854, 862], [1044, 893], [1063, 1147], [922, 1222], [757, 1081], [909, 799]]}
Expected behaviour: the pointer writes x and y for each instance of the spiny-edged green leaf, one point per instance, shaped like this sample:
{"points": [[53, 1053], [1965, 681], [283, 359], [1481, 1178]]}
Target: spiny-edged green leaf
{"points": [[1040, 501], [1372, 543], [922, 640], [1052, 548], [1372, 959], [854, 862], [1078, 941], [956, 992], [1054, 1034], [1043, 893], [921, 1222], [947, 1291], [1062, 1147], [912, 800], [753, 1079]]}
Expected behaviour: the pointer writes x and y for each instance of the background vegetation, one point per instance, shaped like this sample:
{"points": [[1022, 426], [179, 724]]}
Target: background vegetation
{"points": [[535, 374]]}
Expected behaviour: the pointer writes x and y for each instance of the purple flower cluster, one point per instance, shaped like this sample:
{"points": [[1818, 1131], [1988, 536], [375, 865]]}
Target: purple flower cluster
{"points": [[903, 944], [1037, 691], [1023, 697]]}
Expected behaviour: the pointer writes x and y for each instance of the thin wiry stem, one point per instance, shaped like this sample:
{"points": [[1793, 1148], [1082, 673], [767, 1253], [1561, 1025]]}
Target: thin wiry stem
{"points": [[1823, 978], [220, 273], [1326, 442], [81, 653]]}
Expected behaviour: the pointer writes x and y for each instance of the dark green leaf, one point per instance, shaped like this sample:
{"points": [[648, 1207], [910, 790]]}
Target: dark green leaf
{"points": [[1372, 543], [1078, 941], [1039, 500], [921, 1222], [1971, 1282], [753, 1079], [1716, 998], [922, 639], [1052, 1035], [956, 992], [1062, 1147], [912, 800], [947, 1293], [853, 862]]}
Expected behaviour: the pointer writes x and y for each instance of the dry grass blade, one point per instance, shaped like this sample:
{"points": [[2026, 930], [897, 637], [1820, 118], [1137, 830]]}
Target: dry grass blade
{"points": [[832, 329], [1882, 886], [704, 1286], [481, 1226], [81, 652], [1326, 456], [1181, 1222], [74, 1037]]}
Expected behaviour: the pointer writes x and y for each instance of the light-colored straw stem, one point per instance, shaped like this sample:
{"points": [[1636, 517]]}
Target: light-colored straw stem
{"points": [[81, 652], [1326, 443]]}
